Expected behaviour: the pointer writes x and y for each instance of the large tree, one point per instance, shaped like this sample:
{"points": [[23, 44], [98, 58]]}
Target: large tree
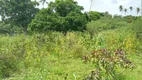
{"points": [[19, 12], [61, 15]]}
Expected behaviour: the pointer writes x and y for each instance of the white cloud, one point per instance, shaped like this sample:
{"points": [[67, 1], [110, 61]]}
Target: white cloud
{"points": [[114, 1], [112, 6]]}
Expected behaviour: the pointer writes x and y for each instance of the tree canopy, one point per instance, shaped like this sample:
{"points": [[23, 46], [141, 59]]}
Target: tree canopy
{"points": [[19, 12], [94, 15], [61, 15]]}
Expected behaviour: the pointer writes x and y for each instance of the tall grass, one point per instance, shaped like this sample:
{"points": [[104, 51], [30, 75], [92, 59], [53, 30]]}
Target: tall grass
{"points": [[36, 56]]}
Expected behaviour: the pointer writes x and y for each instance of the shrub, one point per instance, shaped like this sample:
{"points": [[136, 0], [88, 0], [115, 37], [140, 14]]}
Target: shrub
{"points": [[94, 15], [106, 64], [9, 29], [104, 24], [137, 26], [9, 65]]}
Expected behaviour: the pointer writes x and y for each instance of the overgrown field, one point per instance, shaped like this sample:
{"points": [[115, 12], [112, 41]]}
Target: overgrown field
{"points": [[71, 56], [62, 41]]}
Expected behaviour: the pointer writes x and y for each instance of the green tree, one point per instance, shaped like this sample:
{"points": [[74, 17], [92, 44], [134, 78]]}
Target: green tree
{"points": [[19, 12], [129, 18], [138, 10], [106, 14], [94, 15], [131, 8], [121, 9], [125, 10], [61, 15], [117, 16]]}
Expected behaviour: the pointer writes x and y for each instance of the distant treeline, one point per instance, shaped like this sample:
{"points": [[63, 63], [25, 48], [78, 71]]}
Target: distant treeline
{"points": [[61, 15]]}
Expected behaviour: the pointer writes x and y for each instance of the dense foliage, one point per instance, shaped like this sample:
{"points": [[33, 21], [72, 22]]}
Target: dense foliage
{"points": [[18, 12], [94, 15], [61, 15]]}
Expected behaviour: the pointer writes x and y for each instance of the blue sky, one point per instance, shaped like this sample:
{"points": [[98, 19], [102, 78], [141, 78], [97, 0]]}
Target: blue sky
{"points": [[112, 6]]}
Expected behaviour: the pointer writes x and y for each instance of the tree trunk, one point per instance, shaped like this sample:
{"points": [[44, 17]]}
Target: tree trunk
{"points": [[25, 29]]}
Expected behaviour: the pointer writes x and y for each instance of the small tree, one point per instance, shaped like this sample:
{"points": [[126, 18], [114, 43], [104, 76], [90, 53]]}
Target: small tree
{"points": [[94, 15], [131, 8], [138, 10], [121, 9], [125, 10]]}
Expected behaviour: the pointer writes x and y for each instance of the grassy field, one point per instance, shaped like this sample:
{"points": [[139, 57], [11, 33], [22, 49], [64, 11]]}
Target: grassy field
{"points": [[55, 56], [57, 68]]}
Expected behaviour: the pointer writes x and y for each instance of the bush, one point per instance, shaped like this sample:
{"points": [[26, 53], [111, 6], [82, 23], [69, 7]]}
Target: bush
{"points": [[137, 26], [106, 64], [130, 19], [94, 15], [104, 24], [9, 29], [11, 55], [9, 65]]}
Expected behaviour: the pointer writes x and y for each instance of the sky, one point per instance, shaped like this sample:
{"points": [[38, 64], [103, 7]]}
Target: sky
{"points": [[112, 6]]}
